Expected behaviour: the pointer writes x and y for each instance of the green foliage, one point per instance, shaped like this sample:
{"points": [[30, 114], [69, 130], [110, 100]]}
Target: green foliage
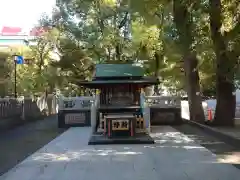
{"points": [[30, 77], [113, 32], [4, 72], [84, 33]]}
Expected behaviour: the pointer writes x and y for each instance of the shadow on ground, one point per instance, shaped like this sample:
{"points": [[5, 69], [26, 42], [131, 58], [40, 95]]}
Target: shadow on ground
{"points": [[173, 156], [20, 142], [225, 152]]}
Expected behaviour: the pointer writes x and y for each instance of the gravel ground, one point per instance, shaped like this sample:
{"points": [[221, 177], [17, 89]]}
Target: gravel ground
{"points": [[225, 152], [22, 141]]}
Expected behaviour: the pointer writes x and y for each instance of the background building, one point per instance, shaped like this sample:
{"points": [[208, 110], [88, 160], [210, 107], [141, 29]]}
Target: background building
{"points": [[17, 36]]}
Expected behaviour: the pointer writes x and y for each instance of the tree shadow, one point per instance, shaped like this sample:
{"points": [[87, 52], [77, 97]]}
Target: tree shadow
{"points": [[165, 140], [224, 152], [69, 154]]}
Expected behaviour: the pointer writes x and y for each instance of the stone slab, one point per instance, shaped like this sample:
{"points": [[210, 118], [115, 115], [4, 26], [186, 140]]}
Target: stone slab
{"points": [[173, 156], [99, 139]]}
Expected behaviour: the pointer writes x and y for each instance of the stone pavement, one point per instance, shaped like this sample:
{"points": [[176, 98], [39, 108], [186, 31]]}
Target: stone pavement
{"points": [[224, 151], [20, 142], [231, 131], [173, 157], [230, 135]]}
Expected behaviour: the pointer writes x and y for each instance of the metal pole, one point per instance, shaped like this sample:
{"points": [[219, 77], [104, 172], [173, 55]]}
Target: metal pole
{"points": [[15, 77]]}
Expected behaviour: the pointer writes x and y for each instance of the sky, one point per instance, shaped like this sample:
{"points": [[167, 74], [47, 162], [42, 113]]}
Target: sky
{"points": [[23, 13]]}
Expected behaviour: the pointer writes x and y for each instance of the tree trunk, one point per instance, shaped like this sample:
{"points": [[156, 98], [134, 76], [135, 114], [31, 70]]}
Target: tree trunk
{"points": [[157, 59], [193, 88], [226, 101], [183, 21], [118, 52]]}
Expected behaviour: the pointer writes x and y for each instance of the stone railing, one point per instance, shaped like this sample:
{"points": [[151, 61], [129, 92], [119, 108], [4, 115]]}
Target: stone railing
{"points": [[162, 109], [16, 111], [163, 101], [77, 111], [10, 108], [75, 103]]}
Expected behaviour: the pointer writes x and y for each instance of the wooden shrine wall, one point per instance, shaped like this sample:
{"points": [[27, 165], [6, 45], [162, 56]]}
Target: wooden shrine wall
{"points": [[120, 95]]}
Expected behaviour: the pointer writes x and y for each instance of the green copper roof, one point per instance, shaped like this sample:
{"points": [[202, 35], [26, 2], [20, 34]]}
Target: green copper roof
{"points": [[118, 70]]}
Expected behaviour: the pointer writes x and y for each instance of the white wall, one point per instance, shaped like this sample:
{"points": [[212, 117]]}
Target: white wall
{"points": [[185, 110], [238, 96]]}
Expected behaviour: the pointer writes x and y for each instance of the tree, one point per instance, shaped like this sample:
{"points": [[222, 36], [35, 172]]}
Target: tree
{"points": [[184, 37], [226, 43], [29, 79], [128, 31], [103, 27], [183, 18], [43, 45], [4, 73], [222, 39]]}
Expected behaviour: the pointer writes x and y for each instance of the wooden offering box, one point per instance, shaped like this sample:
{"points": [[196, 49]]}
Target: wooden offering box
{"points": [[119, 125]]}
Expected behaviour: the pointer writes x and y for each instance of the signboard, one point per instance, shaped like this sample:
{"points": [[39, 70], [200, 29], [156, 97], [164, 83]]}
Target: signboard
{"points": [[75, 118], [19, 59], [120, 124]]}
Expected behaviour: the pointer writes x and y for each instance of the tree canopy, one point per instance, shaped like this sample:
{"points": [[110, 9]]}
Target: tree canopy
{"points": [[191, 46]]}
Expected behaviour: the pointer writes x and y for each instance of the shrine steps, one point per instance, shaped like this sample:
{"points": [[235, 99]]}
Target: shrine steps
{"points": [[100, 139]]}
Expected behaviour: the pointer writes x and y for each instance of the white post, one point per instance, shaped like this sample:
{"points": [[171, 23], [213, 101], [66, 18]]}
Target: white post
{"points": [[23, 108], [94, 112], [146, 113], [147, 118]]}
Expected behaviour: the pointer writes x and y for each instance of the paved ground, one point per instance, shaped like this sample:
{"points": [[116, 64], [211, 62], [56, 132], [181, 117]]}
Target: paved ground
{"points": [[20, 142], [174, 156], [223, 151], [234, 132]]}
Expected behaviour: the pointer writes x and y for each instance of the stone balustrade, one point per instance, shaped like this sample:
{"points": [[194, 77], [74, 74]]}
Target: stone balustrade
{"points": [[163, 101], [77, 111], [162, 109], [16, 111]]}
